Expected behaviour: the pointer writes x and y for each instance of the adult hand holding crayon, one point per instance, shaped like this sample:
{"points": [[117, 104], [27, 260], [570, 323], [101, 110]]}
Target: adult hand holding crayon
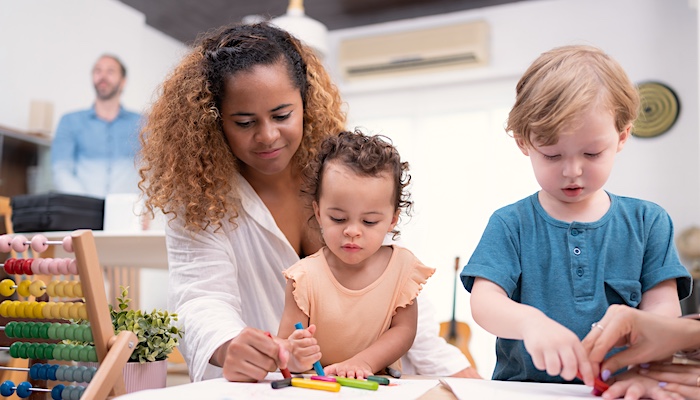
{"points": [[236, 356], [284, 358]]}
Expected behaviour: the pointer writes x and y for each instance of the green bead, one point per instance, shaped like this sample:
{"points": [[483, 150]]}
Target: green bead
{"points": [[31, 350], [9, 328], [41, 351], [75, 353], [61, 331], [23, 350], [57, 349], [84, 354], [93, 354], [14, 350], [35, 330], [52, 330], [26, 330], [65, 353], [44, 330], [87, 333]]}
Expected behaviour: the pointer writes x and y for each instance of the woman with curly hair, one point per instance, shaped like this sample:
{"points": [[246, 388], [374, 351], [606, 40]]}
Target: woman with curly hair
{"points": [[222, 156]]}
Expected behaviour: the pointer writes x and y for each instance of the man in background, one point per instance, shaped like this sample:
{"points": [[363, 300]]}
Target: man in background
{"points": [[93, 151]]}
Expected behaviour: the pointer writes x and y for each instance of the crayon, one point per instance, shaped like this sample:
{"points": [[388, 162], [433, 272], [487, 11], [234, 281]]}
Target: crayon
{"points": [[281, 383], [599, 386], [317, 365], [285, 371], [357, 383], [318, 385], [379, 379], [395, 373], [323, 378]]}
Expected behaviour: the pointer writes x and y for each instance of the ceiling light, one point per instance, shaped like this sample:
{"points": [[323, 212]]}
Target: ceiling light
{"points": [[308, 30]]}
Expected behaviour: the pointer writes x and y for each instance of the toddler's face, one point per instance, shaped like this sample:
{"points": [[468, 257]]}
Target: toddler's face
{"points": [[575, 168], [355, 212]]}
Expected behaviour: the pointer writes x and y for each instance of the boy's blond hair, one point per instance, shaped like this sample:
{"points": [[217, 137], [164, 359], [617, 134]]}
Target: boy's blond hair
{"points": [[564, 83]]}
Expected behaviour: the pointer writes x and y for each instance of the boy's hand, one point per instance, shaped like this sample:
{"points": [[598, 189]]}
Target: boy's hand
{"points": [[352, 368], [303, 349], [556, 350]]}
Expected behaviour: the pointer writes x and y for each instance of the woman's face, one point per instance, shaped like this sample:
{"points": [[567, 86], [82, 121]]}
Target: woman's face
{"points": [[263, 119]]}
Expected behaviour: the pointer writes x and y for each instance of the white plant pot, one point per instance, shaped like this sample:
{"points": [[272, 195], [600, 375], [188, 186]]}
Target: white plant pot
{"points": [[137, 376]]}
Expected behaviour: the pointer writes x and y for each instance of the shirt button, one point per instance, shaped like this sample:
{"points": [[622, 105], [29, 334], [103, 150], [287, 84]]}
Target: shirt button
{"points": [[577, 251], [579, 271], [633, 296], [574, 232]]}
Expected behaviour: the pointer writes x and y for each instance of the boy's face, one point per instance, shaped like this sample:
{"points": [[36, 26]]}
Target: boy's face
{"points": [[574, 170]]}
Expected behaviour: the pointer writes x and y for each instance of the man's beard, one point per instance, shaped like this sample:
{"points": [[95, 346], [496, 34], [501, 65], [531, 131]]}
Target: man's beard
{"points": [[110, 93]]}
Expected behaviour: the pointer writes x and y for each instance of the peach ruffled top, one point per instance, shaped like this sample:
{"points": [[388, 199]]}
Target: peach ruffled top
{"points": [[348, 321]]}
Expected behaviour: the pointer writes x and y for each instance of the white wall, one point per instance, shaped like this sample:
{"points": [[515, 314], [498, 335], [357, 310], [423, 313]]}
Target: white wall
{"points": [[48, 49], [450, 126]]}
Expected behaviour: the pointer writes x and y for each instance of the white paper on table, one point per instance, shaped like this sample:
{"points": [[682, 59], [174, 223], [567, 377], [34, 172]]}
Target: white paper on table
{"points": [[468, 389], [221, 389]]}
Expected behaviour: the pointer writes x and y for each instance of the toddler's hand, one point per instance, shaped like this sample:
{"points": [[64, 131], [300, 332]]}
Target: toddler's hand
{"points": [[303, 349], [556, 350], [352, 368]]}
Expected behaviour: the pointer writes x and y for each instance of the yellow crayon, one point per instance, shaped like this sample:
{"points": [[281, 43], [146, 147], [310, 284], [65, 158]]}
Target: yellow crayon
{"points": [[318, 385]]}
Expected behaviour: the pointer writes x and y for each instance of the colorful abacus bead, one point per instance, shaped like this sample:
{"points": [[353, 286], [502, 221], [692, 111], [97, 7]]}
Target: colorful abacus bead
{"points": [[19, 243], [7, 287], [5, 243]]}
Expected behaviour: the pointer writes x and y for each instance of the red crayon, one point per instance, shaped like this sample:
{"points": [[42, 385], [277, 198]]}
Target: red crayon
{"points": [[598, 385], [285, 371]]}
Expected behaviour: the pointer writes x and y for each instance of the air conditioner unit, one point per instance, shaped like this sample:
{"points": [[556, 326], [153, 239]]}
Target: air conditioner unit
{"points": [[416, 51]]}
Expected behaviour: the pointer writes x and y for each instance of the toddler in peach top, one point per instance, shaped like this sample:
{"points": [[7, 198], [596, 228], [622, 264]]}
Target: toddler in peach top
{"points": [[355, 295]]}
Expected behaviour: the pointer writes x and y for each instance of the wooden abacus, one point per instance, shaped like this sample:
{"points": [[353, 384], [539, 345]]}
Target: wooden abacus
{"points": [[110, 351]]}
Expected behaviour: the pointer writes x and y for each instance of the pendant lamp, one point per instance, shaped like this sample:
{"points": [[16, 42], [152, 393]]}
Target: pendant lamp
{"points": [[308, 30]]}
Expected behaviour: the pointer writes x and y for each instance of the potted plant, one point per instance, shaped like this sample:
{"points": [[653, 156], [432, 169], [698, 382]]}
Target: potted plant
{"points": [[157, 337]]}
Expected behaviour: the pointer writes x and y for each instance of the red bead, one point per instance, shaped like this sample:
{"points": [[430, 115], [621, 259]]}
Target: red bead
{"points": [[19, 266], [10, 265], [27, 266]]}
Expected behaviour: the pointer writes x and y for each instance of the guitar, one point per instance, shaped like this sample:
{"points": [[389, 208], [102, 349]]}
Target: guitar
{"points": [[454, 332]]}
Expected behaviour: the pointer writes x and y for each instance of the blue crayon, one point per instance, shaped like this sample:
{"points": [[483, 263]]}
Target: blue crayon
{"points": [[317, 364]]}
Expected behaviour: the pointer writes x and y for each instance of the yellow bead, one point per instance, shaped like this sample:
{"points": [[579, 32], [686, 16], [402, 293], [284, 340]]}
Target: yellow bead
{"points": [[59, 288], [73, 310], [46, 311], [23, 288], [51, 289], [82, 312], [19, 310], [68, 289], [11, 309], [37, 288], [78, 289], [56, 310], [38, 309], [6, 287], [3, 308], [64, 310]]}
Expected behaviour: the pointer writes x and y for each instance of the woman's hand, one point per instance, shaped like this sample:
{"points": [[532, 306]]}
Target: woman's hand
{"points": [[631, 385], [649, 337], [250, 356], [681, 379], [303, 348]]}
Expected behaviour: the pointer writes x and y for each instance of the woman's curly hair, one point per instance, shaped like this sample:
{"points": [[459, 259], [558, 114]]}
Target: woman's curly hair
{"points": [[366, 156], [186, 163]]}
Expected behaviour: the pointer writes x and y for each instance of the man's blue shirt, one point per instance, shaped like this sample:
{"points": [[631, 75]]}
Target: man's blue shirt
{"points": [[93, 157]]}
